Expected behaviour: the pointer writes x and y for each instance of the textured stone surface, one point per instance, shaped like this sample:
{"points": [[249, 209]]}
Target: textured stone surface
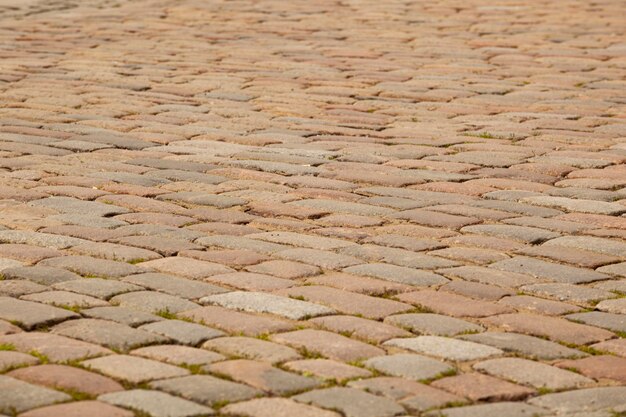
{"points": [[18, 396], [345, 198]]}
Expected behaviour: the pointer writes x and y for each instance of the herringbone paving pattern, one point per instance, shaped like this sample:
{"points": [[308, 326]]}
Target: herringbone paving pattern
{"points": [[318, 208]]}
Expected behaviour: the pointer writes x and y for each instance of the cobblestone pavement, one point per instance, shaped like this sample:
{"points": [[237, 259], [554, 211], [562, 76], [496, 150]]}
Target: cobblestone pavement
{"points": [[312, 208]]}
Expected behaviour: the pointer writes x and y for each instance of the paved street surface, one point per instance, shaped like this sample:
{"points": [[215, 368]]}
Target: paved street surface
{"points": [[321, 208]]}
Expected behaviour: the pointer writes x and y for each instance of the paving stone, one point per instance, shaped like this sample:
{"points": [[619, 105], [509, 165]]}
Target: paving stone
{"points": [[30, 315], [239, 243], [27, 253], [232, 258], [582, 258], [88, 266], [267, 303], [347, 302], [10, 360], [67, 378], [107, 333], [568, 292], [409, 366], [529, 346], [178, 355], [96, 287], [614, 346], [479, 387], [45, 240], [617, 306], [319, 258], [236, 322], [512, 409], [521, 233], [297, 239], [263, 376], [18, 396], [433, 324], [326, 369], [615, 269], [251, 348], [451, 304], [397, 274], [284, 269], [473, 255], [174, 285], [152, 302], [553, 328], [275, 407], [357, 284], [65, 299], [583, 400], [115, 252], [73, 205], [360, 328], [351, 402], [78, 409], [489, 276], [56, 348], [133, 369], [576, 205], [532, 373], [548, 271], [19, 287], [434, 219], [330, 345], [186, 267], [413, 395], [447, 348], [598, 367], [251, 281], [539, 305], [127, 316], [477, 290], [182, 332], [155, 403], [613, 322], [206, 389]]}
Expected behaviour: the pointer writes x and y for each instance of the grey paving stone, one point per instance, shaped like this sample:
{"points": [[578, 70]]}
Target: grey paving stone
{"points": [[40, 274], [593, 244], [179, 355], [56, 348], [522, 233], [9, 263], [409, 366], [610, 321], [508, 409], [267, 303], [580, 206], [173, 285], [344, 207], [186, 267], [29, 315], [88, 266], [397, 274], [489, 276], [433, 324], [127, 316], [155, 403], [548, 271], [182, 332], [615, 269], [515, 207], [530, 346], [133, 369], [97, 287], [206, 389], [582, 400], [158, 230], [252, 348], [91, 220], [153, 302], [446, 348], [351, 402], [107, 333], [73, 205], [46, 240], [17, 396], [568, 292], [536, 374]]}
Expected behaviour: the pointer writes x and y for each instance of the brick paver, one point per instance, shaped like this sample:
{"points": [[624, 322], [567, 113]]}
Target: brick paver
{"points": [[312, 208]]}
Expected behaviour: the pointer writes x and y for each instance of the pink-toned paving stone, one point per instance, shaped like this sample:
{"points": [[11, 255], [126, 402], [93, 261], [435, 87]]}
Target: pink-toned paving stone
{"points": [[192, 192]]}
